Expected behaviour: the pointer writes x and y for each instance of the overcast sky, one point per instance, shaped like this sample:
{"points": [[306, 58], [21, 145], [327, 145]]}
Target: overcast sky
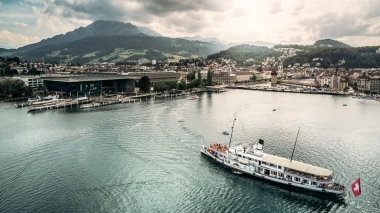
{"points": [[354, 22]]}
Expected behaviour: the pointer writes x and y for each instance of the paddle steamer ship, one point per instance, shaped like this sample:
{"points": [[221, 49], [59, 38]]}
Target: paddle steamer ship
{"points": [[251, 160]]}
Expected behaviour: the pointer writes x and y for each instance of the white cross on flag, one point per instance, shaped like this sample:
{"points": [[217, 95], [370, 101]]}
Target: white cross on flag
{"points": [[356, 188]]}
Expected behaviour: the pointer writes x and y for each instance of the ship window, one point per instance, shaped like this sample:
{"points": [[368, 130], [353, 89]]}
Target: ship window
{"points": [[249, 158], [305, 181], [314, 183], [239, 155], [297, 179], [279, 167], [272, 165]]}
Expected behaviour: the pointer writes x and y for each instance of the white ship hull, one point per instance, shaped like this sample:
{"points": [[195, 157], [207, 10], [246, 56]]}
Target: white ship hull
{"points": [[252, 170]]}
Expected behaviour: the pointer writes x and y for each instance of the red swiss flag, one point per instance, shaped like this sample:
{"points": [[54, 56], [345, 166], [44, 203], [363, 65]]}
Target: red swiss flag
{"points": [[356, 188]]}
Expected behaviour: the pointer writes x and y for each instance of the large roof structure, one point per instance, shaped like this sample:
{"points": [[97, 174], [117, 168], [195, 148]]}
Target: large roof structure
{"points": [[93, 77], [296, 165]]}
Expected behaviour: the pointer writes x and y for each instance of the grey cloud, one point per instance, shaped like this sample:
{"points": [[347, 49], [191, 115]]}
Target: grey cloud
{"points": [[297, 9], [276, 7], [163, 7], [85, 9], [170, 12], [371, 10], [116, 9], [331, 25]]}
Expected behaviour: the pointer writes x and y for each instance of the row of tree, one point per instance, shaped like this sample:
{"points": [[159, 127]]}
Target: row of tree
{"points": [[14, 88]]}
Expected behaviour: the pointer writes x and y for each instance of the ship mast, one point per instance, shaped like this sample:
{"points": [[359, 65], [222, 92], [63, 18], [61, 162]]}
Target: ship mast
{"points": [[291, 158], [232, 131]]}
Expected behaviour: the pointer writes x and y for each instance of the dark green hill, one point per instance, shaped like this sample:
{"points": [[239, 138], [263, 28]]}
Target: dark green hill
{"points": [[330, 43], [361, 57], [120, 48], [241, 53]]}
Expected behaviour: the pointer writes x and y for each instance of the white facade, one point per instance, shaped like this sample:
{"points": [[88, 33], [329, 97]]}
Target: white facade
{"points": [[32, 82]]}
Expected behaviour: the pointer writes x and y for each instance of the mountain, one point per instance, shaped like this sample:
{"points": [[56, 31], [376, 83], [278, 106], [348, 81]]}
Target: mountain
{"points": [[105, 41], [254, 43], [149, 32], [199, 38], [245, 54], [120, 48], [97, 28], [330, 43], [6, 52]]}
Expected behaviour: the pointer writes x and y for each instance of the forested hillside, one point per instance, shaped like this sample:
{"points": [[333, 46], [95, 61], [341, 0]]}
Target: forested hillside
{"points": [[241, 54]]}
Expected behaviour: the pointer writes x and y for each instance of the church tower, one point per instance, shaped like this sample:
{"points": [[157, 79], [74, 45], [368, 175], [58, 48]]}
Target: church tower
{"points": [[273, 78]]}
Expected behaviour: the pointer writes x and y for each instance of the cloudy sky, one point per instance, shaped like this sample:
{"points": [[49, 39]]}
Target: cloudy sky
{"points": [[354, 22]]}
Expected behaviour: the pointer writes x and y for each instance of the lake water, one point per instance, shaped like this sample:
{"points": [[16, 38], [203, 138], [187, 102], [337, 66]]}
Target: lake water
{"points": [[144, 156]]}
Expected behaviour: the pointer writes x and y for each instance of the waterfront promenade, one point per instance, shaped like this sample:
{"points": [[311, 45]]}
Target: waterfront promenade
{"points": [[285, 89]]}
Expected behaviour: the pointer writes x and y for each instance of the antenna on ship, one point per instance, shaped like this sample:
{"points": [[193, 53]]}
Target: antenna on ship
{"points": [[291, 158], [232, 131]]}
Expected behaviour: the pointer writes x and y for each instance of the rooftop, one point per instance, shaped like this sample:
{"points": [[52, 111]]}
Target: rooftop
{"points": [[81, 78], [296, 165]]}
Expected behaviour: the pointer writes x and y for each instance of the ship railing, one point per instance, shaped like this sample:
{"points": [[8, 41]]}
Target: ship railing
{"points": [[308, 176], [332, 186]]}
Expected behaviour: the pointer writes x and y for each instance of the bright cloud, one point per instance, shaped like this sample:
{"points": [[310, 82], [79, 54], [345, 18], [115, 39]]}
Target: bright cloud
{"points": [[11, 40], [278, 21]]}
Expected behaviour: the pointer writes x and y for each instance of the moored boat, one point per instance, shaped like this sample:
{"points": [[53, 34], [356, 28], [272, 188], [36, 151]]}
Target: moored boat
{"points": [[193, 97]]}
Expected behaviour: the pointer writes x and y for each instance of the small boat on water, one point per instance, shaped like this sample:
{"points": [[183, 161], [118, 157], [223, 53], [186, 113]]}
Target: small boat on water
{"points": [[250, 159], [344, 104], [225, 133], [193, 97], [83, 106]]}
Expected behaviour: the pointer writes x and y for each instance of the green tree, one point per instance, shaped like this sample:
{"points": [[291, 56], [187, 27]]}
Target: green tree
{"points": [[14, 72], [190, 76], [190, 85], [200, 84], [254, 77], [33, 71], [144, 84], [209, 78], [196, 82], [15, 88], [182, 85], [7, 71]]}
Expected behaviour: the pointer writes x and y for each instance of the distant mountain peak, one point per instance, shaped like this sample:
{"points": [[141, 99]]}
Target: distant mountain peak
{"points": [[149, 32], [96, 28], [330, 43]]}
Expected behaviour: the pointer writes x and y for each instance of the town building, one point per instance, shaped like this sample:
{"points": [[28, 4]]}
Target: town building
{"points": [[156, 77], [31, 81], [224, 78], [95, 84]]}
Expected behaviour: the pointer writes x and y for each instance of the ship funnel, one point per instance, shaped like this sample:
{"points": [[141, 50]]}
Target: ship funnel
{"points": [[260, 144]]}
